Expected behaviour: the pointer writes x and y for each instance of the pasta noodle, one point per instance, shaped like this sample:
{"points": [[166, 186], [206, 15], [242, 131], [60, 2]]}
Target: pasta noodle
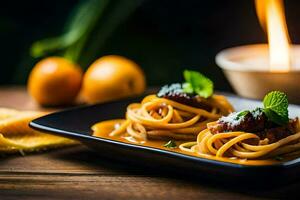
{"points": [[238, 144], [160, 118]]}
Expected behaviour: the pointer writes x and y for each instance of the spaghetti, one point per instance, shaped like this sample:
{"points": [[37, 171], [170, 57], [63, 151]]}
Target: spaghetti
{"points": [[245, 145], [161, 118]]}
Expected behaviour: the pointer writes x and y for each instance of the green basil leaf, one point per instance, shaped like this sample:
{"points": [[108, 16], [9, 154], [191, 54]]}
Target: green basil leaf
{"points": [[187, 88], [197, 83], [242, 114]]}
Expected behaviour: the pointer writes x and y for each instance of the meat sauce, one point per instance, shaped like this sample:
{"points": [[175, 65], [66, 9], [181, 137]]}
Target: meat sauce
{"points": [[175, 92], [255, 122]]}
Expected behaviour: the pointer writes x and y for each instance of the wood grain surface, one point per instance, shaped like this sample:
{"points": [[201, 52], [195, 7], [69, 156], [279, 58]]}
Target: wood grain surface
{"points": [[79, 173]]}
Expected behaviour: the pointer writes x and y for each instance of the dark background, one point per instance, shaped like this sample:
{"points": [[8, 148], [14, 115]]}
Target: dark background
{"points": [[163, 36]]}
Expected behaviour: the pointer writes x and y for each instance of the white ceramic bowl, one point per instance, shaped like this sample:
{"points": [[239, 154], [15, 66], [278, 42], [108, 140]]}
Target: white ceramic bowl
{"points": [[246, 68]]}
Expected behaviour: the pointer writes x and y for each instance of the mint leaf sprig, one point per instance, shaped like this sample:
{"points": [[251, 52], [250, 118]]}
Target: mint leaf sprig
{"points": [[276, 107], [197, 83]]}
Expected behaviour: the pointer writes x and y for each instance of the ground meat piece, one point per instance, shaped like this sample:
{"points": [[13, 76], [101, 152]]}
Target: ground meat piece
{"points": [[278, 133], [255, 122], [174, 92]]}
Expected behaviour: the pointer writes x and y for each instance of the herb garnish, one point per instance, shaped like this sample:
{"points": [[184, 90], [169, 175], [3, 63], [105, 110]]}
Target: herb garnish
{"points": [[276, 107], [171, 144], [279, 158], [197, 83], [242, 114]]}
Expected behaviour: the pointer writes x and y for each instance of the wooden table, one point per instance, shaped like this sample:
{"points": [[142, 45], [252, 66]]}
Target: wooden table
{"points": [[79, 173]]}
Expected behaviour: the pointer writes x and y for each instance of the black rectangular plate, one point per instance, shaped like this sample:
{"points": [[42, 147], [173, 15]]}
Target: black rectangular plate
{"points": [[75, 123]]}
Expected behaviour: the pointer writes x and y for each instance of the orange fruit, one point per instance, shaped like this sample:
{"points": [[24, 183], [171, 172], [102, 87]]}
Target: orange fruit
{"points": [[112, 77], [54, 81]]}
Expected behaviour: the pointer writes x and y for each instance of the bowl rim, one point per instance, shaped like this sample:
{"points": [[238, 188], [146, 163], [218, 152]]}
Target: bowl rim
{"points": [[224, 59]]}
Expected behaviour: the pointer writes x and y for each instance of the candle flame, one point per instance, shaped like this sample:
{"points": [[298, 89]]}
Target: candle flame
{"points": [[272, 18]]}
